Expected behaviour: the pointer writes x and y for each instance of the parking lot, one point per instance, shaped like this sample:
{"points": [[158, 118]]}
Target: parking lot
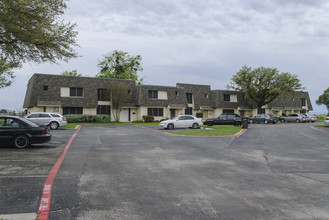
{"points": [[276, 171]]}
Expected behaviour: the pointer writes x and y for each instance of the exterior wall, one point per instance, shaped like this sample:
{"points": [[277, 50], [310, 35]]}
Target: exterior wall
{"points": [[89, 111], [35, 109], [162, 95]]}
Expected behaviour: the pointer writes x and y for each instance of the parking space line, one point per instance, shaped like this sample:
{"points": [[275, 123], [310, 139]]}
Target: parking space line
{"points": [[43, 211], [319, 129]]}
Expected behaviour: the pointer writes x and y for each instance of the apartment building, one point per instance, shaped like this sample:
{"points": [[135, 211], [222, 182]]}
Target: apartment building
{"points": [[87, 95]]}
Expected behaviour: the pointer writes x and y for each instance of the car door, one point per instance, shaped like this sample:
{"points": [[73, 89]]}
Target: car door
{"points": [[257, 118], [35, 118], [221, 120], [4, 132], [44, 119], [9, 128], [189, 120], [230, 119], [180, 122]]}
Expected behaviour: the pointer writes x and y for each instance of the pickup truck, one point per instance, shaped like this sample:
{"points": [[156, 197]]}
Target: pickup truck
{"points": [[294, 118], [224, 119]]}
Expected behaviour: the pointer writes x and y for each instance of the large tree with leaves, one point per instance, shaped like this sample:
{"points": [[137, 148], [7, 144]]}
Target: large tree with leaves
{"points": [[32, 31], [120, 65], [324, 99], [118, 93], [262, 85], [71, 73]]}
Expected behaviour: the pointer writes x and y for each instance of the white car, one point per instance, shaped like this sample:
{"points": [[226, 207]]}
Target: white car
{"points": [[326, 122], [181, 121], [312, 118], [53, 120]]}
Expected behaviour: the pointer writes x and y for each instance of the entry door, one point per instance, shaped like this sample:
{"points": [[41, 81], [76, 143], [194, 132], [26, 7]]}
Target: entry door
{"points": [[125, 114], [172, 113]]}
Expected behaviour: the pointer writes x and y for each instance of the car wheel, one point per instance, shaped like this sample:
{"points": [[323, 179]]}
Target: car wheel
{"points": [[297, 120], [210, 123], [282, 120], [53, 125], [195, 126], [21, 141], [266, 121], [170, 126], [250, 122]]}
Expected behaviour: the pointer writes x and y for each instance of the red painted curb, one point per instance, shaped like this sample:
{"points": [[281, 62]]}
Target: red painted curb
{"points": [[43, 211], [319, 130]]}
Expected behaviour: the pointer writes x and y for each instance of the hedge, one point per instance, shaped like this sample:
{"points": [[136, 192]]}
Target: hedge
{"points": [[87, 118]]}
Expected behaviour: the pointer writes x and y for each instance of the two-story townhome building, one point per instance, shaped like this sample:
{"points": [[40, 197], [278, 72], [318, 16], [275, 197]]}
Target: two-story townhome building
{"points": [[89, 95]]}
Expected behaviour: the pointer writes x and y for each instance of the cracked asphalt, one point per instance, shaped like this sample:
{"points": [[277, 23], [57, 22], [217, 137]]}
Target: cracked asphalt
{"points": [[276, 171]]}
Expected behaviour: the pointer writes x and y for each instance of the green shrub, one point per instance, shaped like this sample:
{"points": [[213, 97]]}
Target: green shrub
{"points": [[148, 118], [87, 118], [199, 115]]}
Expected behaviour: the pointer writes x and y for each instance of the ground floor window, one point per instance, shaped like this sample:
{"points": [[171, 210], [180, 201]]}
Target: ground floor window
{"points": [[303, 111], [228, 111], [72, 110], [104, 110], [155, 111], [188, 111]]}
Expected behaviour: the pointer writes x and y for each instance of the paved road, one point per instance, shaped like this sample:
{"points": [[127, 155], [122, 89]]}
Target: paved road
{"points": [[125, 172]]}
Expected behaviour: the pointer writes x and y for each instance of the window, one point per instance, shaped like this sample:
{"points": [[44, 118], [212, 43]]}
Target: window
{"points": [[72, 110], [102, 95], [45, 88], [153, 94], [303, 102], [189, 98], [176, 93], [155, 111], [228, 111], [74, 91], [206, 95], [227, 98], [188, 111], [103, 110], [303, 111], [34, 116], [44, 116], [129, 92]]}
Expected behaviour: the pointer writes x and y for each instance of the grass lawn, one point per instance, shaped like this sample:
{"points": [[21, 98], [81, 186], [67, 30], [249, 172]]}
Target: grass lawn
{"points": [[73, 125], [210, 131]]}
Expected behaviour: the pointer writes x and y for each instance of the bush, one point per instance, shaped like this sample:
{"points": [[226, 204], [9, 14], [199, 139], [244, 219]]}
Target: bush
{"points": [[148, 118], [199, 115], [87, 118]]}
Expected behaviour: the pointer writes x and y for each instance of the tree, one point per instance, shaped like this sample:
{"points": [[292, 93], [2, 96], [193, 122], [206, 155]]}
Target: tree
{"points": [[118, 91], [120, 65], [71, 73], [324, 99], [262, 85], [6, 73], [32, 31]]}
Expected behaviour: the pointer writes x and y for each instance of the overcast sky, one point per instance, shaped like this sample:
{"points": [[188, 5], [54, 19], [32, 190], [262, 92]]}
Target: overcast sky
{"points": [[196, 41]]}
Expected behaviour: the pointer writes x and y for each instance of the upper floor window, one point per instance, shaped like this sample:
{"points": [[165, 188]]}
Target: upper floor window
{"points": [[153, 94], [102, 95], [189, 97], [74, 91], [45, 88], [227, 97], [303, 102]]}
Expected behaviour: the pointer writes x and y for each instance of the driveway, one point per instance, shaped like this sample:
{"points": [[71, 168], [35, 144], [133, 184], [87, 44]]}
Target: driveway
{"points": [[128, 172]]}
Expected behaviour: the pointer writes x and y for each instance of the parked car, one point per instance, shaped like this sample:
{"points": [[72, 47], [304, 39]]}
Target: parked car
{"points": [[312, 118], [53, 120], [182, 121], [294, 118], [264, 118], [224, 119], [326, 122], [21, 132]]}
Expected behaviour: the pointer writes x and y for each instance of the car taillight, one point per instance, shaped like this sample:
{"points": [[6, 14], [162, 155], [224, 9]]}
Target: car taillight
{"points": [[327, 118], [271, 117], [302, 117], [45, 131], [63, 118]]}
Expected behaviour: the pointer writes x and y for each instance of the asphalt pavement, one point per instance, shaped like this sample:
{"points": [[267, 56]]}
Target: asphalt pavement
{"points": [[276, 171]]}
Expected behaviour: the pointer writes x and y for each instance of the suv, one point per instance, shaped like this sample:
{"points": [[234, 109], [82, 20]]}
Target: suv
{"points": [[294, 118], [53, 120], [224, 119]]}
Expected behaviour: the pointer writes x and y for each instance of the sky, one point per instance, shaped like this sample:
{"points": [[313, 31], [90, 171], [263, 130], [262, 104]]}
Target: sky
{"points": [[196, 41]]}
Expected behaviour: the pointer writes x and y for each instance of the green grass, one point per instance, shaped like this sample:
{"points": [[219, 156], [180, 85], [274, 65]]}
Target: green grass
{"points": [[210, 131], [73, 125]]}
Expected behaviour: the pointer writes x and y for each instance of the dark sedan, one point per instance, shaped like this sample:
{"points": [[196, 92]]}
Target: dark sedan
{"points": [[224, 119], [264, 118], [21, 133]]}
